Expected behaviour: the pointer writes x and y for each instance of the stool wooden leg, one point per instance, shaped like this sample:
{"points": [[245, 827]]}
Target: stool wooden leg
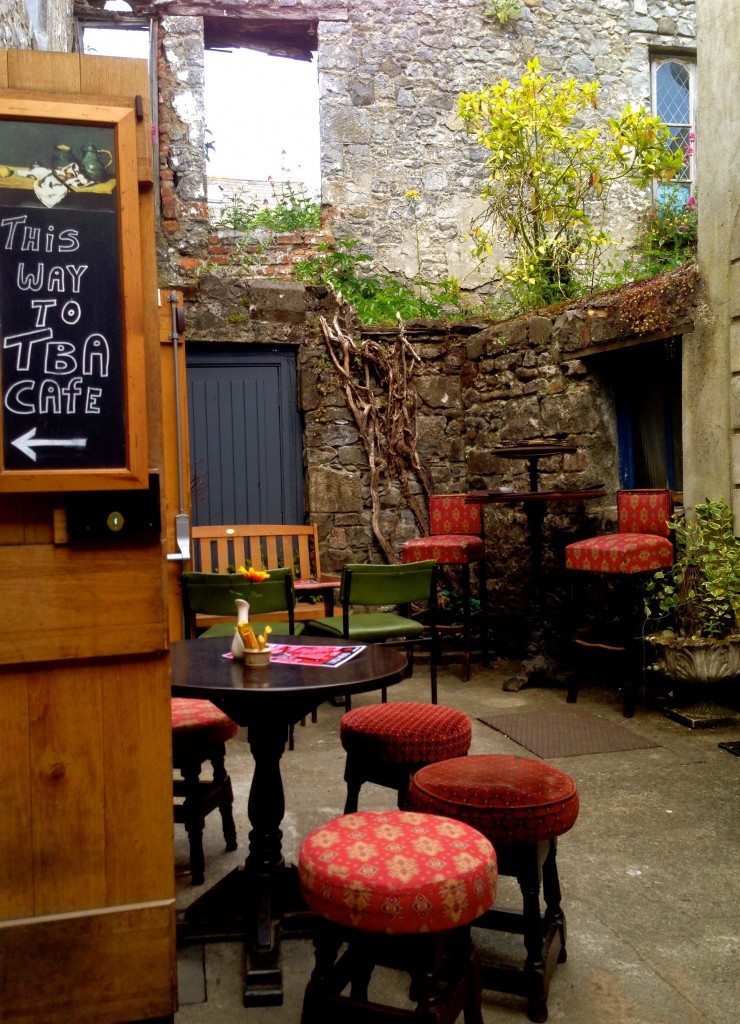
{"points": [[393, 776], [327, 941], [443, 967], [472, 1011], [551, 884], [220, 776], [361, 967], [483, 613], [528, 879], [354, 780], [194, 819], [426, 971], [554, 916], [467, 623]]}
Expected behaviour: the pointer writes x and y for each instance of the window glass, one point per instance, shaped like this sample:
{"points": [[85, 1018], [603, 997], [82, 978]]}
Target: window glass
{"points": [[674, 102], [672, 93]]}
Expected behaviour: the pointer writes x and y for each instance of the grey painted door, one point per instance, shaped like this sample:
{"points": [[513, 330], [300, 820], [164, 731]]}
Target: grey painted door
{"points": [[246, 458]]}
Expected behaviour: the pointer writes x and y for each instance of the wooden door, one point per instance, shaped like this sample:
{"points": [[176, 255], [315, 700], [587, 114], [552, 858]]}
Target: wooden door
{"points": [[87, 922], [246, 455]]}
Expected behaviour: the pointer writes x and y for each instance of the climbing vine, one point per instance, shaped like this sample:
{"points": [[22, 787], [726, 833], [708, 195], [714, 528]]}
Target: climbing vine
{"points": [[377, 382]]}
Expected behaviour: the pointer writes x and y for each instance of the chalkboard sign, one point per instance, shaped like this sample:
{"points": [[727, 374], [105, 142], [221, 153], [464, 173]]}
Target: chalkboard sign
{"points": [[71, 363]]}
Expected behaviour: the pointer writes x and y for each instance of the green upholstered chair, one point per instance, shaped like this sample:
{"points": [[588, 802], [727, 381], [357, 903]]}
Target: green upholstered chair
{"points": [[215, 593], [380, 588]]}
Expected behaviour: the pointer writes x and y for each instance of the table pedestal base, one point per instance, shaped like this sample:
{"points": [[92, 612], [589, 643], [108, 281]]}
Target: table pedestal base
{"points": [[242, 908]]}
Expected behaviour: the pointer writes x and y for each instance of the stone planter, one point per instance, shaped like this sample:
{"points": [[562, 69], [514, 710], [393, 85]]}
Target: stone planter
{"points": [[700, 661]]}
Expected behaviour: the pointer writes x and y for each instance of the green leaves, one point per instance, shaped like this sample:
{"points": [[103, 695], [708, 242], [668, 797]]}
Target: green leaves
{"points": [[291, 210], [375, 298], [699, 595], [550, 171]]}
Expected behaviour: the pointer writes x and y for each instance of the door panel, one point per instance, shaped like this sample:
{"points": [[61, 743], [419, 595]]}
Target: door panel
{"points": [[246, 458]]}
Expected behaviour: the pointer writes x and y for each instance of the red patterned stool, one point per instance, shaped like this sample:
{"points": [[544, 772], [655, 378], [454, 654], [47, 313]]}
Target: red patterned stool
{"points": [[457, 537], [199, 733], [521, 805], [642, 545], [386, 743], [401, 890]]}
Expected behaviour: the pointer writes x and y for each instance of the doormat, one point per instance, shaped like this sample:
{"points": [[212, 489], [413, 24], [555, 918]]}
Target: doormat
{"points": [[565, 733], [733, 747]]}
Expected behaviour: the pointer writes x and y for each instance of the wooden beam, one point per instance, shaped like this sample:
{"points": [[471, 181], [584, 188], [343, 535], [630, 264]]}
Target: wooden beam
{"points": [[620, 343]]}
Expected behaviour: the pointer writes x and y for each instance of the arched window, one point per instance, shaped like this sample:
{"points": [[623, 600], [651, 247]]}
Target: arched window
{"points": [[674, 101]]}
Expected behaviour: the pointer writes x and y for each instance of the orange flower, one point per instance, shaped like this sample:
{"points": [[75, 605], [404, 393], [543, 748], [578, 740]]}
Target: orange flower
{"points": [[253, 575]]}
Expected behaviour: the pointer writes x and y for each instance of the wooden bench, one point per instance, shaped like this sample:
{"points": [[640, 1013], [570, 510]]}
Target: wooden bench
{"points": [[225, 548]]}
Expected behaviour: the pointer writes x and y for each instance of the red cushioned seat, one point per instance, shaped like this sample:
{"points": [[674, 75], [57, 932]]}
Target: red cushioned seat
{"points": [[397, 872], [200, 723], [456, 537], [457, 549], [393, 887], [385, 743], [620, 552], [521, 805], [509, 799], [406, 732], [199, 733]]}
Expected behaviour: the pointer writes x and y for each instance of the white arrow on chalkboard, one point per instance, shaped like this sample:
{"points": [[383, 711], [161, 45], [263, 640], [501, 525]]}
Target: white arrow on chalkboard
{"points": [[27, 442]]}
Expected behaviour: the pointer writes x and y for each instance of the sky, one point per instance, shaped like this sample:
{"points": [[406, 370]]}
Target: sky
{"points": [[262, 111], [278, 116]]}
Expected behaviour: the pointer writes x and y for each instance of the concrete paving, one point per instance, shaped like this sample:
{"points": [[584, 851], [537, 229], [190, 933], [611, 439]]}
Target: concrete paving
{"points": [[649, 872]]}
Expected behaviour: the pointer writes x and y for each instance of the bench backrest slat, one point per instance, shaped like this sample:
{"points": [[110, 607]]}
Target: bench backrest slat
{"points": [[216, 548]]}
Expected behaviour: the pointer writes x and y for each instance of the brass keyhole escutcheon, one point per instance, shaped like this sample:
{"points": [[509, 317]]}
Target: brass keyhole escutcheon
{"points": [[115, 522]]}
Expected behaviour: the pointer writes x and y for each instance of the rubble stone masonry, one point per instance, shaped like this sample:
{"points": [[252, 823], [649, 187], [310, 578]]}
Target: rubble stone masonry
{"points": [[390, 75]]}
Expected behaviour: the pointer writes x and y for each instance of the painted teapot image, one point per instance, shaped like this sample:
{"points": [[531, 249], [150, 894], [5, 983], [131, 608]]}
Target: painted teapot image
{"points": [[96, 162]]}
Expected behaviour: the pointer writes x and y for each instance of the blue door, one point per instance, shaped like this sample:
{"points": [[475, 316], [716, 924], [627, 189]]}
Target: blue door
{"points": [[246, 457]]}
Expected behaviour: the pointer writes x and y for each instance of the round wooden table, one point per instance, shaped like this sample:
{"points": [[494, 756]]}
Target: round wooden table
{"points": [[259, 902]]}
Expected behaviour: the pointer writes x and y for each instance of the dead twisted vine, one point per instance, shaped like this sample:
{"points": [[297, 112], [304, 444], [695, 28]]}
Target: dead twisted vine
{"points": [[377, 385]]}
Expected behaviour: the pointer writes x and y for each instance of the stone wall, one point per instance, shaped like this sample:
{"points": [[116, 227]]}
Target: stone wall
{"points": [[478, 387], [183, 227], [15, 27], [390, 81], [390, 76], [55, 32]]}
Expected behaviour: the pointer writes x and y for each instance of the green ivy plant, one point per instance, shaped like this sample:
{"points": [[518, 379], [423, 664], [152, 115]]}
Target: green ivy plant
{"points": [[699, 595], [376, 298], [504, 11], [550, 175]]}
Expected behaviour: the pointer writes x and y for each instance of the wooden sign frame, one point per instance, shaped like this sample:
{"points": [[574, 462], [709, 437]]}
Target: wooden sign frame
{"points": [[47, 470]]}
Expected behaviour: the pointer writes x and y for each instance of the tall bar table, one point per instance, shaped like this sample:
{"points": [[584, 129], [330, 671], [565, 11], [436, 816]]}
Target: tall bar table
{"points": [[535, 504]]}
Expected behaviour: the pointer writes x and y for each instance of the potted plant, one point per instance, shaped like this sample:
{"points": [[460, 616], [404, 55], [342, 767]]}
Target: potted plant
{"points": [[695, 603]]}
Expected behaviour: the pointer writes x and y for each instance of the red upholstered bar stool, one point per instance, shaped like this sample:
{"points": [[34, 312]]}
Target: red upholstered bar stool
{"points": [[642, 545], [457, 537], [199, 733], [522, 806], [386, 743], [400, 890]]}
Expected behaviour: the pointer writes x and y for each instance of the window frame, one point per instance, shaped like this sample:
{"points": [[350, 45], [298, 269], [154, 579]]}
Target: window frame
{"points": [[688, 60]]}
